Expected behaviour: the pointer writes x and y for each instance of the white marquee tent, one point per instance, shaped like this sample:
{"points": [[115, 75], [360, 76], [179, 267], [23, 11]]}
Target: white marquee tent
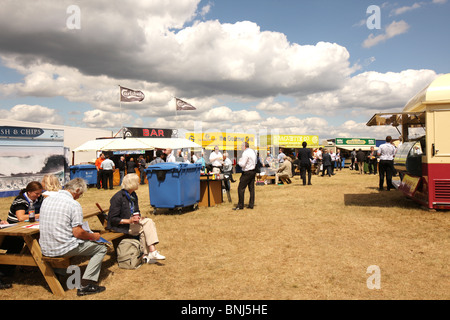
{"points": [[137, 144]]}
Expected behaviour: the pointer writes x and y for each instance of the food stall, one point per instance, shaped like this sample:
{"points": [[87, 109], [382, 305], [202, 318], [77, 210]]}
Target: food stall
{"points": [[423, 159]]}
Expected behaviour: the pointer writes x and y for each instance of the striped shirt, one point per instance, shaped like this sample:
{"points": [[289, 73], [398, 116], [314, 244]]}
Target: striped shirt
{"points": [[22, 202], [59, 214]]}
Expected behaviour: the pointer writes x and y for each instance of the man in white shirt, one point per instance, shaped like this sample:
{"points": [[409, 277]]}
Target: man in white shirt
{"points": [[108, 167], [386, 152], [169, 156], [216, 159], [248, 163], [281, 156]]}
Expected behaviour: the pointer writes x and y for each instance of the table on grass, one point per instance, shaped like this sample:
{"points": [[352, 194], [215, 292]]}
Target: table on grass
{"points": [[32, 254], [210, 191]]}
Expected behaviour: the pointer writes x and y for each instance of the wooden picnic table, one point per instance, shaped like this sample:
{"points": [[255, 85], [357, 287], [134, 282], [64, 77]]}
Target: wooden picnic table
{"points": [[34, 257]]}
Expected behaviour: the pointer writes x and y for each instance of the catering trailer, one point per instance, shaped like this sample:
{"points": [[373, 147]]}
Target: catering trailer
{"points": [[423, 159]]}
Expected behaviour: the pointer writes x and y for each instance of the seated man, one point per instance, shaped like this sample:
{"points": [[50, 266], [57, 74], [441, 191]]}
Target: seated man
{"points": [[61, 233], [284, 171]]}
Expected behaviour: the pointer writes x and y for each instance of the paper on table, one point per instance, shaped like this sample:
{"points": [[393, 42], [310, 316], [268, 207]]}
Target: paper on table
{"points": [[6, 225], [32, 226]]}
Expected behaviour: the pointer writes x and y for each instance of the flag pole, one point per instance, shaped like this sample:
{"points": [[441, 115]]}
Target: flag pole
{"points": [[176, 112], [121, 117]]}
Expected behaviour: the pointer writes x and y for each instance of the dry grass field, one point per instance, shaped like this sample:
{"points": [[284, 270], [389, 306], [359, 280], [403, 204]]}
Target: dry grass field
{"points": [[299, 242]]}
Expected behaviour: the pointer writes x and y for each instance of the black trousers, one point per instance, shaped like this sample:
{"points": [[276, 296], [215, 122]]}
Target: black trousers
{"points": [[107, 178], [386, 168], [99, 178], [303, 169], [373, 166], [247, 180]]}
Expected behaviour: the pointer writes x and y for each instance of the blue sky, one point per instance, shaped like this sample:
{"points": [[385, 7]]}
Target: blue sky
{"points": [[300, 67]]}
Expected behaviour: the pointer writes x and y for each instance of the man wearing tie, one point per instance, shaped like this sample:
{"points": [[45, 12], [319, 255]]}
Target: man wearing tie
{"points": [[248, 163]]}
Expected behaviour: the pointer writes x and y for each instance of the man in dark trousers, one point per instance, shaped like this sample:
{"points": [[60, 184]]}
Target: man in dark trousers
{"points": [[326, 160], [305, 157], [248, 163]]}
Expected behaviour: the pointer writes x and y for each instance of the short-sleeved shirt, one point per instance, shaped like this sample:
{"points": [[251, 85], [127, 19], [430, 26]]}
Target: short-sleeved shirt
{"points": [[108, 164], [59, 214], [387, 151]]}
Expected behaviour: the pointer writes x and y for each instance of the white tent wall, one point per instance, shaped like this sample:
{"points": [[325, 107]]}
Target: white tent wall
{"points": [[73, 137]]}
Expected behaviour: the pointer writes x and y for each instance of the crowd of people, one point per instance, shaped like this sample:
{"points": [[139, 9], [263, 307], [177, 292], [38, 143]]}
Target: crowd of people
{"points": [[61, 218]]}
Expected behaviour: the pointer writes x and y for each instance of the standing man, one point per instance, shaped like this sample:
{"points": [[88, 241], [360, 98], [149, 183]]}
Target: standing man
{"points": [[326, 162], [216, 159], [319, 160], [360, 159], [121, 165], [248, 163], [305, 157], [372, 160], [98, 164], [108, 168], [386, 152], [142, 166], [131, 166], [169, 156], [61, 234], [281, 156]]}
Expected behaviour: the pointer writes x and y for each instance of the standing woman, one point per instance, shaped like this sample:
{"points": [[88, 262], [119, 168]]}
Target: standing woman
{"points": [[124, 216]]}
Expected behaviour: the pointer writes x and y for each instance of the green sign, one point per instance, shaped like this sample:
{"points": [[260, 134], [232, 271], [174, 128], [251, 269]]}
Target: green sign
{"points": [[355, 141]]}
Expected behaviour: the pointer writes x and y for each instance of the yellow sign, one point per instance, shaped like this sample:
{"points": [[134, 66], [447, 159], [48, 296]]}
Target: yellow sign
{"points": [[409, 184], [291, 141], [227, 141]]}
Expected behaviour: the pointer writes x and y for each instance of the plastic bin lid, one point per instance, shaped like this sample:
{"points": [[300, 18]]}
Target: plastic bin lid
{"points": [[83, 166], [171, 166]]}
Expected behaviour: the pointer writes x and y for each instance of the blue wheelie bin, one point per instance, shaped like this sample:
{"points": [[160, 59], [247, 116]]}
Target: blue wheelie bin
{"points": [[174, 185], [88, 172]]}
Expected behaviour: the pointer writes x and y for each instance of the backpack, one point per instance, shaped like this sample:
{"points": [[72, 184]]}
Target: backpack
{"points": [[129, 255]]}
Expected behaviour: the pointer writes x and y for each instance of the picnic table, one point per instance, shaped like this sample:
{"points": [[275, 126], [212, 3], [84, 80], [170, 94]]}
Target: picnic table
{"points": [[29, 231]]}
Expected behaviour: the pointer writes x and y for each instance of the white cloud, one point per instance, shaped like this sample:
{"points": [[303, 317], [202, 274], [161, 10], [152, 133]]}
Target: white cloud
{"points": [[368, 92], [33, 113], [392, 30], [404, 9]]}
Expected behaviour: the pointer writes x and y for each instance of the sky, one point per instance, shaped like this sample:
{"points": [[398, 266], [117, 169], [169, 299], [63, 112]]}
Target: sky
{"points": [[321, 67]]}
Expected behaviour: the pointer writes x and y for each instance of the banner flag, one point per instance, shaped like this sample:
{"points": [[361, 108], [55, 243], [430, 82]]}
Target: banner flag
{"points": [[183, 105], [128, 95]]}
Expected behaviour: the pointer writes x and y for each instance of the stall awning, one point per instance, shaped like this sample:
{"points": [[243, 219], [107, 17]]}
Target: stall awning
{"points": [[137, 144], [411, 119]]}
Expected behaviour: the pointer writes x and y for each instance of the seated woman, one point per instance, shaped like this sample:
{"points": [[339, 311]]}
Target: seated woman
{"points": [[50, 183], [124, 216], [31, 195], [18, 212]]}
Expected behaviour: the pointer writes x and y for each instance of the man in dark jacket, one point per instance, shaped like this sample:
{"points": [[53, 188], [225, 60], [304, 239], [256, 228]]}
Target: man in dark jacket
{"points": [[360, 159], [305, 157], [326, 161]]}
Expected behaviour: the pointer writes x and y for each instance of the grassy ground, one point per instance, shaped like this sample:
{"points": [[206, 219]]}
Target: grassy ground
{"points": [[299, 242]]}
